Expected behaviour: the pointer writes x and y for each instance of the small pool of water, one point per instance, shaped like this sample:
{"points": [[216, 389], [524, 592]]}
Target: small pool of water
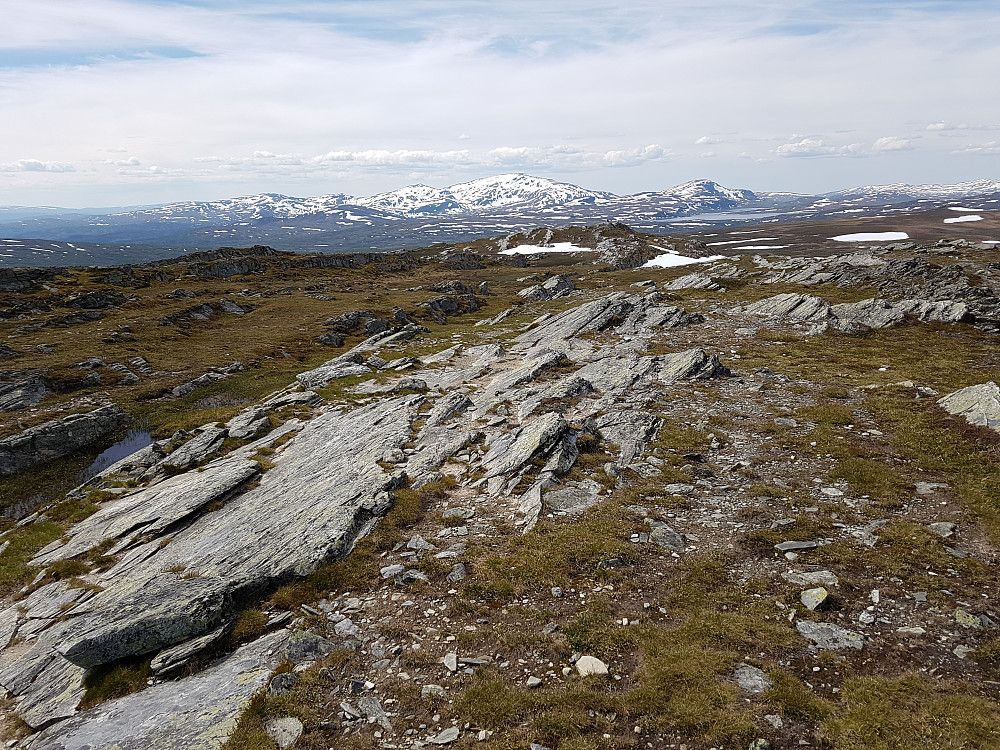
{"points": [[133, 441]]}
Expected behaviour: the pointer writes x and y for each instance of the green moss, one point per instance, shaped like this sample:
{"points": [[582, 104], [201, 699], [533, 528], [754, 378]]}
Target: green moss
{"points": [[114, 680]]}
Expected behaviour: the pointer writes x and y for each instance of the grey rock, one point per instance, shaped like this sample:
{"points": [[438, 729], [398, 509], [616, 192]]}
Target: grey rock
{"points": [[511, 452], [391, 571], [154, 510], [208, 441], [249, 424], [627, 314], [690, 281], [630, 430], [330, 339], [869, 314], [693, 364], [228, 306], [451, 661], [371, 707], [175, 657], [304, 645], [977, 404], [573, 498], [532, 683], [194, 713], [331, 488], [23, 392], [283, 683], [814, 598], [457, 574], [752, 679], [432, 691], [458, 512], [446, 737], [829, 636], [796, 546], [295, 398], [58, 438], [814, 578], [943, 529], [335, 369], [667, 538], [797, 307], [557, 286], [590, 665], [347, 629], [284, 731]]}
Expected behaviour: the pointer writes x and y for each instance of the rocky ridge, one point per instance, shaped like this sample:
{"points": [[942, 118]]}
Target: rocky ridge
{"points": [[198, 533]]}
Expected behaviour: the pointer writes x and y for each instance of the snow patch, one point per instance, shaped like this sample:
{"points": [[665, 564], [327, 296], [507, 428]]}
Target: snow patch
{"points": [[871, 237], [670, 260], [960, 219], [558, 247]]}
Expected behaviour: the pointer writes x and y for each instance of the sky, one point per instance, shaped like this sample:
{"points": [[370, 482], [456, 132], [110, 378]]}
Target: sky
{"points": [[123, 103]]}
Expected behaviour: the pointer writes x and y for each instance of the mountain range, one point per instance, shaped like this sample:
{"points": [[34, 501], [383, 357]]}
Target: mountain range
{"points": [[420, 215]]}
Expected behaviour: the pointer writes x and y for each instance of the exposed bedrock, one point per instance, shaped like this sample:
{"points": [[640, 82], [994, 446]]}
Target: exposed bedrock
{"points": [[325, 489], [57, 438]]}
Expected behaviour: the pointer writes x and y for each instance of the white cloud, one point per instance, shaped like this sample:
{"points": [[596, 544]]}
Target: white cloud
{"points": [[813, 147], [34, 165], [990, 147], [132, 161], [891, 143], [380, 89]]}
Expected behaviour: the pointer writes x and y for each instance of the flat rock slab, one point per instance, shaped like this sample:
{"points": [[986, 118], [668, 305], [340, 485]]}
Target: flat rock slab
{"points": [[828, 636], [195, 713]]}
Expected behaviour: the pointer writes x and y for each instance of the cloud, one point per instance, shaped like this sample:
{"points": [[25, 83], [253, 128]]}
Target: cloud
{"points": [[34, 165], [990, 147], [385, 158], [132, 161], [812, 147], [891, 143], [356, 96]]}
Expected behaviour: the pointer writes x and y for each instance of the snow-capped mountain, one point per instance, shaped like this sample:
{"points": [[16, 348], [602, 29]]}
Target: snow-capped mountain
{"points": [[506, 190], [420, 215]]}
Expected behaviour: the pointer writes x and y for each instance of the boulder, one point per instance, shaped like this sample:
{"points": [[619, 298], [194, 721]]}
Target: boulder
{"points": [[977, 404], [58, 438]]}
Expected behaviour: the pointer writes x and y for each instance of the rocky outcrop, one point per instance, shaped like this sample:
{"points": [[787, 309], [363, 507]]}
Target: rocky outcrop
{"points": [[690, 281], [625, 313], [557, 286], [195, 713], [977, 404], [19, 390], [855, 317], [58, 438], [326, 488]]}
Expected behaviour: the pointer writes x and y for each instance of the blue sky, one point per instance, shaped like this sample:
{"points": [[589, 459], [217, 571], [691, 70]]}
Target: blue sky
{"points": [[117, 102]]}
